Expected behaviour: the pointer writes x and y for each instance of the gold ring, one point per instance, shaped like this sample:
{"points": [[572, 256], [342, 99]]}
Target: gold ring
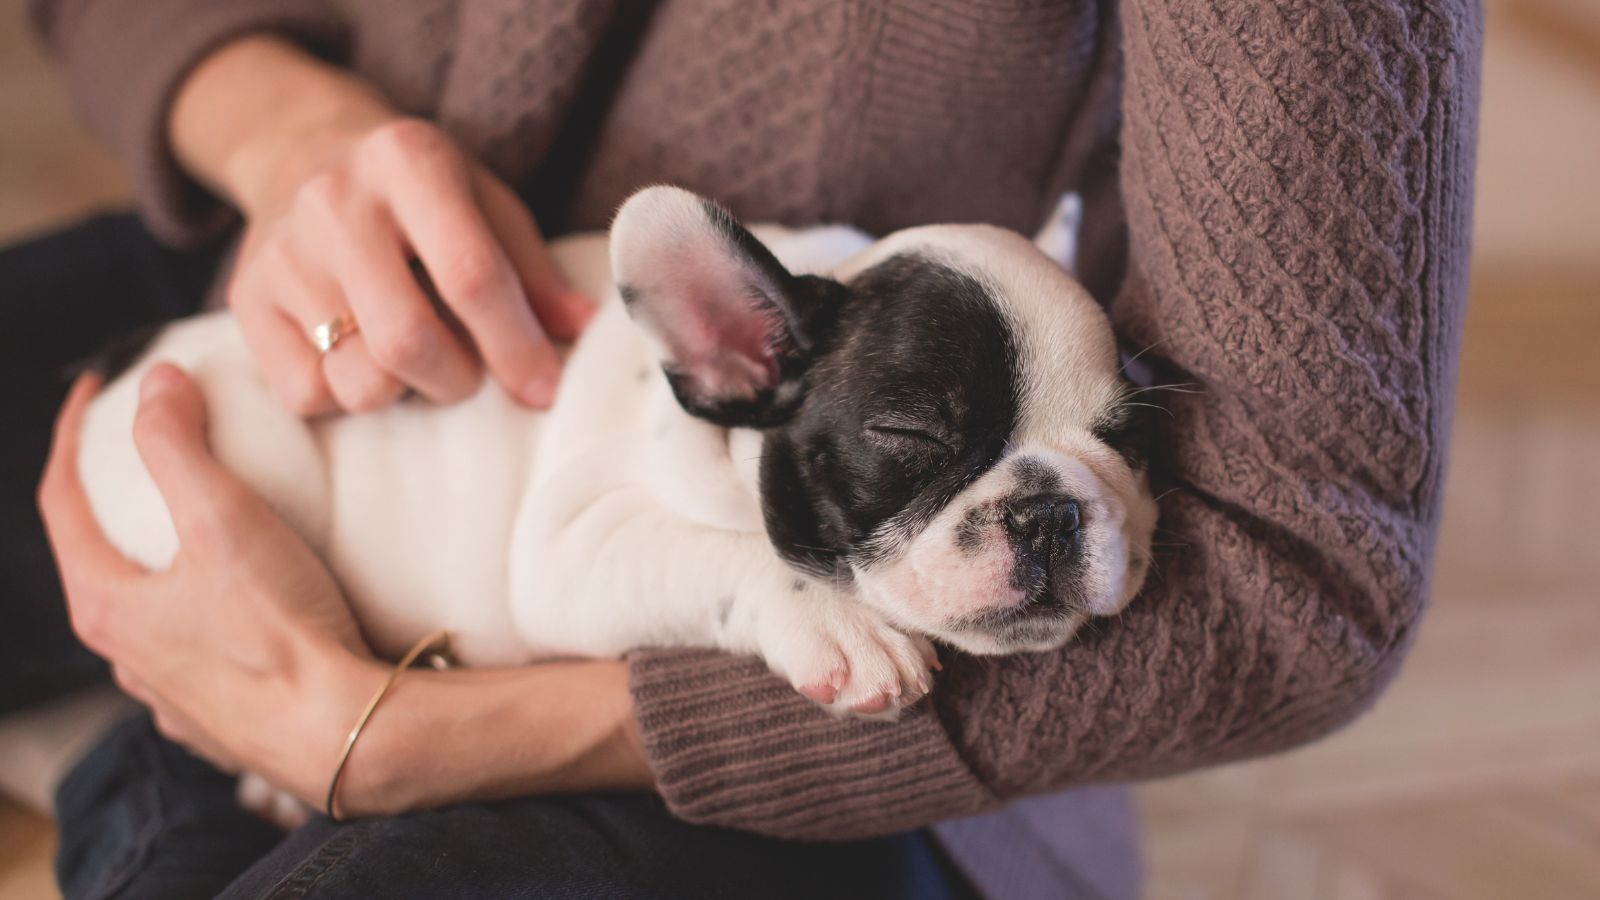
{"points": [[327, 336]]}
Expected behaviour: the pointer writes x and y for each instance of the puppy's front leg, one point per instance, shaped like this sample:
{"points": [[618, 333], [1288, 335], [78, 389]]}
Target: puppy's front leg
{"points": [[833, 648], [597, 573]]}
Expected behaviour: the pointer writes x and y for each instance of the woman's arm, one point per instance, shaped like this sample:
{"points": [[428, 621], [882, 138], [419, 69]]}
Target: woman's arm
{"points": [[1297, 180], [448, 737], [125, 61], [258, 115]]}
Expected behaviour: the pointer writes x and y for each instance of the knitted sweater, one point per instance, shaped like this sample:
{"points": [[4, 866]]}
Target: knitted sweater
{"points": [[1279, 199]]}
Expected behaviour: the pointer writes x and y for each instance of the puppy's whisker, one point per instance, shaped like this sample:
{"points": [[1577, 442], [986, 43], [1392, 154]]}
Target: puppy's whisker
{"points": [[1151, 406], [1134, 358], [1173, 388], [812, 547]]}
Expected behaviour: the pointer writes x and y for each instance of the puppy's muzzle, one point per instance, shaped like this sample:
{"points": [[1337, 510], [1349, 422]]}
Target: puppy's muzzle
{"points": [[1045, 531]]}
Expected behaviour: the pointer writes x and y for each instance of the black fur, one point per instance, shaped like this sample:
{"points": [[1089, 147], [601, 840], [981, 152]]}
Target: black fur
{"points": [[912, 402], [1035, 477]]}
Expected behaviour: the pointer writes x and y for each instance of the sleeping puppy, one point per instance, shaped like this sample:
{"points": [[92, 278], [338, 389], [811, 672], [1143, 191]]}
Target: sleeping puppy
{"points": [[798, 444]]}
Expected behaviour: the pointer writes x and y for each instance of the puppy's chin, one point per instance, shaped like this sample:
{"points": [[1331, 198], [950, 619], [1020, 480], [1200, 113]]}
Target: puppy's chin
{"points": [[1027, 636], [966, 600], [950, 609]]}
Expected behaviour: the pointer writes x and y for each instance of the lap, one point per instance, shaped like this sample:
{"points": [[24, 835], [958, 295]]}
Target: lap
{"points": [[141, 818], [611, 845]]}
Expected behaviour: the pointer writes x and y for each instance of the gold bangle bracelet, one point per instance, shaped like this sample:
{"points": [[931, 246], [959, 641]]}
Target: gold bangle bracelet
{"points": [[438, 642]]}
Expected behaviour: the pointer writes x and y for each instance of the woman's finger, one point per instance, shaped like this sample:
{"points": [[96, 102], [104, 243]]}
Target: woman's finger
{"points": [[563, 311], [206, 500], [311, 297], [79, 544], [358, 383], [85, 559], [438, 211], [399, 326], [292, 367]]}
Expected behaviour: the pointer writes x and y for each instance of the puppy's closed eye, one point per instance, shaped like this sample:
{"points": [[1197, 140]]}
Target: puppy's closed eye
{"points": [[909, 438]]}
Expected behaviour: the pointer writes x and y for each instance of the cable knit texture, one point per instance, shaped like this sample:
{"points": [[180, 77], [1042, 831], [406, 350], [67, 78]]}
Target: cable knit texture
{"points": [[1290, 183]]}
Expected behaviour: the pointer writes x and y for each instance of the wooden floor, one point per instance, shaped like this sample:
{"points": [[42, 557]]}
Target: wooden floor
{"points": [[1478, 774]]}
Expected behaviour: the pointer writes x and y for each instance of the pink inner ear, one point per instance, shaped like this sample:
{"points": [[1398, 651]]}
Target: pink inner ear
{"points": [[718, 336], [703, 296], [724, 352]]}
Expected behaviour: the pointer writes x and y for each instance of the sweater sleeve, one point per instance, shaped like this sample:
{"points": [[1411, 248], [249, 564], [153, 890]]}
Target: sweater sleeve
{"points": [[125, 60], [1297, 181]]}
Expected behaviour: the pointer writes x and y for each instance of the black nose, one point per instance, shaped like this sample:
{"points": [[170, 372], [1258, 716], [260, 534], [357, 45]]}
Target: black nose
{"points": [[1040, 519], [1044, 540]]}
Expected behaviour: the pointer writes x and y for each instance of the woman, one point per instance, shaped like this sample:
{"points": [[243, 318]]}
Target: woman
{"points": [[1278, 202]]}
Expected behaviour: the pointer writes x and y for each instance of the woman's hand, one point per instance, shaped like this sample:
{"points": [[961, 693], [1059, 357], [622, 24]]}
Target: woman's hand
{"points": [[241, 647], [340, 194], [246, 652]]}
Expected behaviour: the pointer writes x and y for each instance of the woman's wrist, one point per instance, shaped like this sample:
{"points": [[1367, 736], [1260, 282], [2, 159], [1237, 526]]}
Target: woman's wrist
{"points": [[444, 737], [258, 115], [322, 691]]}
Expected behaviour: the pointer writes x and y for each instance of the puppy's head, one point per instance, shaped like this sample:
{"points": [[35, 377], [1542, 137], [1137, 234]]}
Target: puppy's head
{"points": [[946, 429]]}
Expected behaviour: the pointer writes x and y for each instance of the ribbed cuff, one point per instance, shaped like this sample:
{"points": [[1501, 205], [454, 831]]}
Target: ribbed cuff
{"points": [[735, 746], [127, 58]]}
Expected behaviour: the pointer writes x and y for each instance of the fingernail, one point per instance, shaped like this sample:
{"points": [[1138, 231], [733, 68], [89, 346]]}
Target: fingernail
{"points": [[156, 382]]}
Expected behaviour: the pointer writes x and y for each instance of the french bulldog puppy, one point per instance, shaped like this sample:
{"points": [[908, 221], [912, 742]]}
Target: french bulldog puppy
{"points": [[801, 444]]}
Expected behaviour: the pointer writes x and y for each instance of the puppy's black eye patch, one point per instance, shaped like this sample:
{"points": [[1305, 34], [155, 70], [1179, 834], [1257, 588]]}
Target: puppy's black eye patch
{"points": [[914, 391]]}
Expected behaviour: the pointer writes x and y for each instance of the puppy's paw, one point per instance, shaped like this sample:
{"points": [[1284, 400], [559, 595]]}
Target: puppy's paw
{"points": [[846, 658]]}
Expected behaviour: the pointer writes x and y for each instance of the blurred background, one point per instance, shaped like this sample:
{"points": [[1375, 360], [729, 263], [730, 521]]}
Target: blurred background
{"points": [[1478, 774]]}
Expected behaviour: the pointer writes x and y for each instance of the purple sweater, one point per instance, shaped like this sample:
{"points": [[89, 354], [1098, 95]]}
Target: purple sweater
{"points": [[1279, 198]]}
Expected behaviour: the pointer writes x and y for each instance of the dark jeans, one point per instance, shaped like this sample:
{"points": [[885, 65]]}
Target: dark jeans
{"points": [[63, 298], [141, 818]]}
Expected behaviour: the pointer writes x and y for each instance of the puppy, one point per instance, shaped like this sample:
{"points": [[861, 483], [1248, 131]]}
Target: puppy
{"points": [[806, 445]]}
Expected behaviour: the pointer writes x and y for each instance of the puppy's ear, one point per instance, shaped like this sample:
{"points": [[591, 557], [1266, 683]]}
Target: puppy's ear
{"points": [[735, 328]]}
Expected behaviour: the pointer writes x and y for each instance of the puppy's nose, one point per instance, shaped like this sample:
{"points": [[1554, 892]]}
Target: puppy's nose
{"points": [[1039, 519]]}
